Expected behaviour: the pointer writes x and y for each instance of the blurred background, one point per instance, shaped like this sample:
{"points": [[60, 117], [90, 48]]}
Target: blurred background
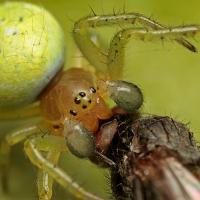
{"points": [[167, 74]]}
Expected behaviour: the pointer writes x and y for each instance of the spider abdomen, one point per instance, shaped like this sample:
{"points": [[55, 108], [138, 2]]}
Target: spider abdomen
{"points": [[30, 55]]}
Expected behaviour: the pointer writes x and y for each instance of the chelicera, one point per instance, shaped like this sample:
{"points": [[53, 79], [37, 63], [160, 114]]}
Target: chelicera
{"points": [[75, 102]]}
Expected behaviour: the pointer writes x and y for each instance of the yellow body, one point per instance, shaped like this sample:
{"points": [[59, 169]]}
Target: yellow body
{"points": [[32, 51]]}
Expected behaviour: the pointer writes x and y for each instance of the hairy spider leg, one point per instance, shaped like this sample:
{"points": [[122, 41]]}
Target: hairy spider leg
{"points": [[53, 145], [116, 51], [93, 52], [81, 61]]}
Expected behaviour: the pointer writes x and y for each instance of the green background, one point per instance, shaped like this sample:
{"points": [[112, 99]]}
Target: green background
{"points": [[167, 74]]}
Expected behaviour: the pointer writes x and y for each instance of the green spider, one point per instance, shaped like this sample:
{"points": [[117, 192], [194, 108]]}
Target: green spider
{"points": [[74, 101]]}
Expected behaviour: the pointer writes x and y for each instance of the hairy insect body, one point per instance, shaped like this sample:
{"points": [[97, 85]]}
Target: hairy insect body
{"points": [[73, 96]]}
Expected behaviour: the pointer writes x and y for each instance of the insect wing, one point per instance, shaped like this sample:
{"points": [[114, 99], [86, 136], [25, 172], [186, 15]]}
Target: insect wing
{"points": [[178, 183]]}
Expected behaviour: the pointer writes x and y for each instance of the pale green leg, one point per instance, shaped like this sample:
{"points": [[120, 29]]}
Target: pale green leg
{"points": [[5, 147], [29, 111], [44, 181], [93, 52], [51, 143], [116, 51], [80, 60], [4, 165]]}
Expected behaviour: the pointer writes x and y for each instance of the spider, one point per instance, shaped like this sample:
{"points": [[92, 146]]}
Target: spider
{"points": [[74, 103]]}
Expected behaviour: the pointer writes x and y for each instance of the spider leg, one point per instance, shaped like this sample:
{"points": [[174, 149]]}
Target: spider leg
{"points": [[93, 52], [52, 143], [4, 165], [80, 60], [30, 111], [5, 148], [44, 181], [127, 95], [116, 51]]}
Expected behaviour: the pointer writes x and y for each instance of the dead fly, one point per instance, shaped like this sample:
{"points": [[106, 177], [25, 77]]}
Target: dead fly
{"points": [[156, 158]]}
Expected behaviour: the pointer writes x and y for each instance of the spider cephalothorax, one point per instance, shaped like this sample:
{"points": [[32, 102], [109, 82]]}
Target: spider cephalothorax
{"points": [[78, 102], [75, 98]]}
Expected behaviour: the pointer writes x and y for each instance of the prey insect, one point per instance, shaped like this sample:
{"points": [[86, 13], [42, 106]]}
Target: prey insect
{"points": [[74, 103], [156, 158]]}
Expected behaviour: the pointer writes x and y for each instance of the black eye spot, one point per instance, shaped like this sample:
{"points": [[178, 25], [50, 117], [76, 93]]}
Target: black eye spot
{"points": [[82, 94], [77, 100], [93, 90], [90, 101], [73, 112], [84, 106]]}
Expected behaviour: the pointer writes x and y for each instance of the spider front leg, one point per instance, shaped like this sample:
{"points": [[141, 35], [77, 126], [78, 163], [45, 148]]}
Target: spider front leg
{"points": [[95, 55], [48, 143], [127, 95], [116, 50]]}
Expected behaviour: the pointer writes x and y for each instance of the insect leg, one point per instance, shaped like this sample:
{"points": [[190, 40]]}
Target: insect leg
{"points": [[116, 51], [35, 145]]}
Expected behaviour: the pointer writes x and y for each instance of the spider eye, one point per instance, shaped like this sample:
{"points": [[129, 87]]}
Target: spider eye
{"points": [[125, 94], [79, 140], [93, 90]]}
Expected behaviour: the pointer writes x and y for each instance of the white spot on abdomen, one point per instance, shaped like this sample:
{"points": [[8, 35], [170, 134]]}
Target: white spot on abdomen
{"points": [[11, 31]]}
